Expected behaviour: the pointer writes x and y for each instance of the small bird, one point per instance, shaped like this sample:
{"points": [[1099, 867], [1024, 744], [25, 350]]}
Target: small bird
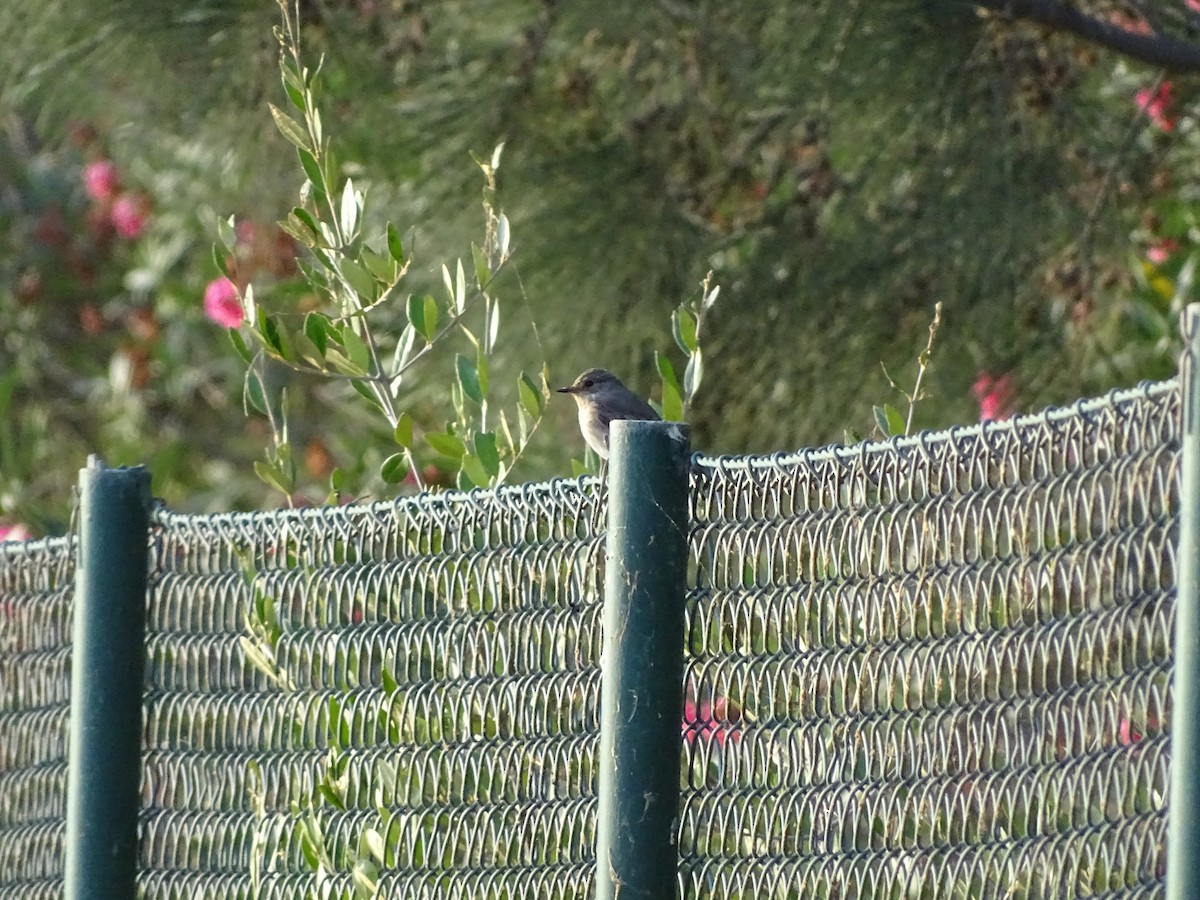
{"points": [[602, 398]]}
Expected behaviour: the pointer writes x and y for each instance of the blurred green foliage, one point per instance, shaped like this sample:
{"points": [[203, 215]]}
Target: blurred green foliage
{"points": [[839, 166]]}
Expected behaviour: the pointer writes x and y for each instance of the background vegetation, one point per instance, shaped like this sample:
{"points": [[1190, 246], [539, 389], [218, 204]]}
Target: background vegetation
{"points": [[840, 167]]}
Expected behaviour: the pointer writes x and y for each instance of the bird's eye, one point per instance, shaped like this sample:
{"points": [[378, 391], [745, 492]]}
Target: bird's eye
{"points": [[588, 383]]}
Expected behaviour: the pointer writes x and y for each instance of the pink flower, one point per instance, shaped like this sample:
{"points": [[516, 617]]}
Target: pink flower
{"points": [[100, 180], [221, 303], [709, 721], [1126, 733], [994, 396], [128, 216], [246, 231], [1159, 253], [1193, 5], [1154, 105], [16, 532]]}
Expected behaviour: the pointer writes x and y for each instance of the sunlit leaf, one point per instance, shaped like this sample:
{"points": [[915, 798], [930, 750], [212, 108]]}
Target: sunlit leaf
{"points": [[356, 348], [422, 314], [445, 443], [404, 430], [362, 281], [381, 266], [394, 468], [683, 324], [502, 235], [485, 449], [351, 206], [672, 400], [531, 395], [239, 345], [474, 468], [226, 231], [692, 375], [468, 378], [289, 127]]}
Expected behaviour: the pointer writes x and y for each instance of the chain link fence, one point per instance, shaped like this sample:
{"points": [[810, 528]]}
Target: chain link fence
{"points": [[938, 667]]}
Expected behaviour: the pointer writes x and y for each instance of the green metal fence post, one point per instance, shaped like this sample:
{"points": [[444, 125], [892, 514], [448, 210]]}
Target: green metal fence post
{"points": [[107, 677], [1183, 837], [641, 701]]}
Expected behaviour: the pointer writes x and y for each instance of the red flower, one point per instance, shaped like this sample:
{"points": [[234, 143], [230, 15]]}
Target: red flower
{"points": [[709, 721], [221, 303], [1154, 105], [994, 396], [1158, 253], [100, 180], [14, 532], [128, 216]]}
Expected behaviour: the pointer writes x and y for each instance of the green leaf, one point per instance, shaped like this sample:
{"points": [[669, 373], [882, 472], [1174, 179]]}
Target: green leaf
{"points": [[273, 476], [312, 170], [382, 267], [338, 481], [531, 395], [502, 235], [365, 390], [463, 481], [289, 127], [683, 324], [446, 443], [692, 375], [351, 207], [395, 248], [253, 394], [888, 420], [292, 227], [881, 421], [316, 328], [474, 469], [481, 367], [468, 378], [422, 314], [394, 468], [308, 221], [227, 233], [483, 272], [485, 449], [268, 332], [293, 83], [221, 258], [373, 841], [356, 348], [672, 400], [362, 281], [404, 431], [239, 345]]}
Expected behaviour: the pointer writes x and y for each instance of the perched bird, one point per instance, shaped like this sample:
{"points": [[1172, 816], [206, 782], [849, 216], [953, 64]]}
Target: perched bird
{"points": [[602, 398]]}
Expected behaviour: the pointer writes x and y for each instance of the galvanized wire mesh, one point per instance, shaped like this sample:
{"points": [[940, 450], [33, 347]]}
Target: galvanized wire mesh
{"points": [[933, 668], [939, 667], [427, 669], [36, 587]]}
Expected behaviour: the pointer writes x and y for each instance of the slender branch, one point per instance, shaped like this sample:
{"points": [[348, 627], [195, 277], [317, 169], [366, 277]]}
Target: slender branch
{"points": [[1156, 49]]}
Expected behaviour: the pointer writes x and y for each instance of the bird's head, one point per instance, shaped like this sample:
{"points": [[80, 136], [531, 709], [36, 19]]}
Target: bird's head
{"points": [[592, 383]]}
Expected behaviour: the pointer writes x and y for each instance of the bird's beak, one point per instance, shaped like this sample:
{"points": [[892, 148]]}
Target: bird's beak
{"points": [[565, 390]]}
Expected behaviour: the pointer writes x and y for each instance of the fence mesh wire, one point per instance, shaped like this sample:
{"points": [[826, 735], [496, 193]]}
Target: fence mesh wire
{"points": [[935, 668]]}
